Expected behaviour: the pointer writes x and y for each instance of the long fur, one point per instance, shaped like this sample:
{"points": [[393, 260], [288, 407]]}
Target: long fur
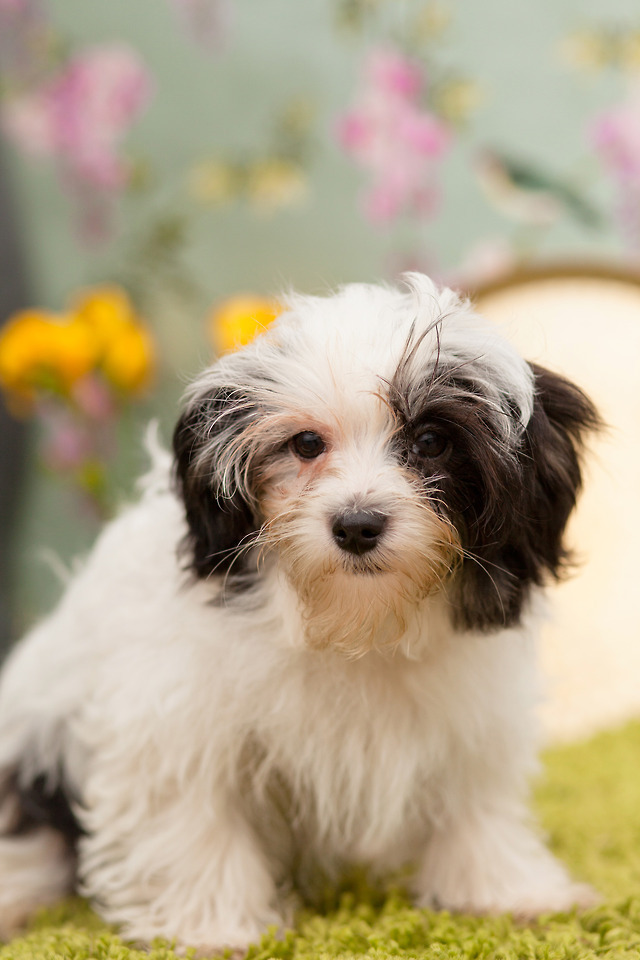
{"points": [[233, 705]]}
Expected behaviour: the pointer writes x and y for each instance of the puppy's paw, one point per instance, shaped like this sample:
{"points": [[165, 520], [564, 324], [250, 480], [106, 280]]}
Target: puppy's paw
{"points": [[505, 870], [572, 896], [524, 905], [209, 939], [36, 870]]}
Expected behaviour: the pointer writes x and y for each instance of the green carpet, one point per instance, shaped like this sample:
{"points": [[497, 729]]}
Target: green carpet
{"points": [[589, 801]]}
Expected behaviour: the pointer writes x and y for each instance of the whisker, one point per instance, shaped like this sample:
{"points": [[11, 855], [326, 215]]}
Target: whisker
{"points": [[470, 556]]}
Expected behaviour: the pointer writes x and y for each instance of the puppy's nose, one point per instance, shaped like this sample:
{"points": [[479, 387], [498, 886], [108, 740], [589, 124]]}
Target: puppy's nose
{"points": [[358, 531]]}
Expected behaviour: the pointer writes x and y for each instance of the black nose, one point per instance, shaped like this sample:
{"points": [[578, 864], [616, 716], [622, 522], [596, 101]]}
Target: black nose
{"points": [[358, 531]]}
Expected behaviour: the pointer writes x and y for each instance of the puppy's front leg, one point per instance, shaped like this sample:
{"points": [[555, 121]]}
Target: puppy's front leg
{"points": [[188, 869], [489, 859]]}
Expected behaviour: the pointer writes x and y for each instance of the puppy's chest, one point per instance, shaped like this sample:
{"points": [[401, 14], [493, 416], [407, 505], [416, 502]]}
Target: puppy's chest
{"points": [[356, 756]]}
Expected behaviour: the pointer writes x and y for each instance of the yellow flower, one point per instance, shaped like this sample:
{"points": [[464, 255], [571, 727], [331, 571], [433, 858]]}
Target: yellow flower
{"points": [[236, 321], [129, 361], [40, 350], [126, 353], [74, 351], [587, 50], [631, 51], [456, 100], [106, 311], [20, 341], [433, 20], [213, 182], [275, 183], [47, 352]]}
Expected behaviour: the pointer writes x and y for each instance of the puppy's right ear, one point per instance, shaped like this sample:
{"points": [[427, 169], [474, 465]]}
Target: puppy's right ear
{"points": [[208, 451]]}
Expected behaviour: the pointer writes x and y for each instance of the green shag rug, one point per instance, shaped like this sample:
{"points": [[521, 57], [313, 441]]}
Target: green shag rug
{"points": [[589, 802]]}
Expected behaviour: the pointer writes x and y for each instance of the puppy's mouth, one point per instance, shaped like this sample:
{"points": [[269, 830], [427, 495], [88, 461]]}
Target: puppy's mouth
{"points": [[366, 566]]}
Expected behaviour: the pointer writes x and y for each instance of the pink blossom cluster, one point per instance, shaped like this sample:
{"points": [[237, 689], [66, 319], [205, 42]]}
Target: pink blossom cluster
{"points": [[78, 116], [395, 138], [14, 6], [80, 433], [615, 135]]}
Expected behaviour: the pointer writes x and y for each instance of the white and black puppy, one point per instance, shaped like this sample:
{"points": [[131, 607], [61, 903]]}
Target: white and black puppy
{"points": [[311, 643]]}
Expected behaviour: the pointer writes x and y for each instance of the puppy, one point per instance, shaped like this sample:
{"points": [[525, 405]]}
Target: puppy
{"points": [[311, 643]]}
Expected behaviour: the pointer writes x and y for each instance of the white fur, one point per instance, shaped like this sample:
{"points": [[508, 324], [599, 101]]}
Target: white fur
{"points": [[213, 746]]}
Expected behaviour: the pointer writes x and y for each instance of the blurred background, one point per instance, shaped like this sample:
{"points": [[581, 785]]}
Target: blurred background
{"points": [[168, 166]]}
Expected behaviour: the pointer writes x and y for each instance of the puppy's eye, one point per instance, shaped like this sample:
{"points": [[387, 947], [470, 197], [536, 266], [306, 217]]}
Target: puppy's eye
{"points": [[431, 444], [307, 445]]}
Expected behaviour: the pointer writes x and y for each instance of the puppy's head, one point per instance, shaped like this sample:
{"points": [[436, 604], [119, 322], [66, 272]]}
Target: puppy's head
{"points": [[379, 446]]}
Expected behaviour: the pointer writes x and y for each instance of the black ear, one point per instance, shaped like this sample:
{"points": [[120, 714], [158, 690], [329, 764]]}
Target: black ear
{"points": [[528, 545], [219, 524], [562, 418]]}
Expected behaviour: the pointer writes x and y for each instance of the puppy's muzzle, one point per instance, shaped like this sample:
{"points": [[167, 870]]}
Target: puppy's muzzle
{"points": [[358, 531]]}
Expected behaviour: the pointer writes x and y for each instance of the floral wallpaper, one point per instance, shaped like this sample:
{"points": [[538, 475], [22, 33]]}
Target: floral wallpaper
{"points": [[404, 107], [170, 154]]}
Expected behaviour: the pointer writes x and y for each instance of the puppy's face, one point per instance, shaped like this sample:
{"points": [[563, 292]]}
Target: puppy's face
{"points": [[378, 447], [354, 525]]}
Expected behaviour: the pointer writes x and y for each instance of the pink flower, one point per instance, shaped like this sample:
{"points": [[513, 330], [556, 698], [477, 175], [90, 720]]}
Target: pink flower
{"points": [[15, 6], [398, 141], [68, 441], [390, 71], [94, 399], [79, 117], [68, 447], [616, 137]]}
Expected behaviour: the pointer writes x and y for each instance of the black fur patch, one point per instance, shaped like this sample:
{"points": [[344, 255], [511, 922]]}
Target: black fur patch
{"points": [[509, 502], [39, 805], [218, 525]]}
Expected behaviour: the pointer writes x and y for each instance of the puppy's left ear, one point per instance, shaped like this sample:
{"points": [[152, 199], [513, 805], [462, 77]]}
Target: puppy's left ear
{"points": [[563, 416], [527, 544], [220, 522]]}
